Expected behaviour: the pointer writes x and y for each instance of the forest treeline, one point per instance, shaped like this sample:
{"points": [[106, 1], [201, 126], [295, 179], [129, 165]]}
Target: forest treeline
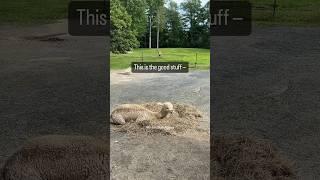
{"points": [[158, 24]]}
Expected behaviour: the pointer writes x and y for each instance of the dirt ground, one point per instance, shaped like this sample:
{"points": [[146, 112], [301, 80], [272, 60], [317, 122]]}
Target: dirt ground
{"points": [[265, 85], [158, 157]]}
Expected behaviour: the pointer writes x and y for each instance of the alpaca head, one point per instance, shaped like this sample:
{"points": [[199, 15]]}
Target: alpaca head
{"points": [[167, 108]]}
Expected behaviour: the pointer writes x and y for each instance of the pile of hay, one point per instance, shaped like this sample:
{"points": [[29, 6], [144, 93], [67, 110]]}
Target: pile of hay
{"points": [[183, 118], [239, 157]]}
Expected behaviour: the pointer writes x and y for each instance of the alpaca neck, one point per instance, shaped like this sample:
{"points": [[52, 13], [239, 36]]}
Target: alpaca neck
{"points": [[161, 114]]}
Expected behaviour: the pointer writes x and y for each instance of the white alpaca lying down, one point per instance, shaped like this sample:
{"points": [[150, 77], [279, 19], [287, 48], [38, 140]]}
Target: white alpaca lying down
{"points": [[58, 157], [134, 112]]}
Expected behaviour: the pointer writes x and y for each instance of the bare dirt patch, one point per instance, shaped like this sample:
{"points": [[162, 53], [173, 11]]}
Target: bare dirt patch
{"points": [[238, 157], [184, 117]]}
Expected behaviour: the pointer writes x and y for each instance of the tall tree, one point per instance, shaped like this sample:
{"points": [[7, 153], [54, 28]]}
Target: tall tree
{"points": [[123, 38], [155, 9], [150, 14], [192, 9], [174, 26], [137, 10], [161, 19], [150, 31], [204, 26]]}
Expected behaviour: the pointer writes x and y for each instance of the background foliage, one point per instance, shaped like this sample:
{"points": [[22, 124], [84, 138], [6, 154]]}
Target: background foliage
{"points": [[170, 25]]}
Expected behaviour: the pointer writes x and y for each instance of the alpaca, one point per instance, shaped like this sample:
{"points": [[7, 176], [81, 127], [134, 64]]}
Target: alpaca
{"points": [[134, 112], [59, 157]]}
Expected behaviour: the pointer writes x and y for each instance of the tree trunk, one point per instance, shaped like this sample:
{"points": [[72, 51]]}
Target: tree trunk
{"points": [[150, 28], [158, 31]]}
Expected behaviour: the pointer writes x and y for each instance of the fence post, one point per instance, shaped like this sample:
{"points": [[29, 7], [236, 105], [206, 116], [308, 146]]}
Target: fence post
{"points": [[274, 7], [195, 65], [142, 55]]}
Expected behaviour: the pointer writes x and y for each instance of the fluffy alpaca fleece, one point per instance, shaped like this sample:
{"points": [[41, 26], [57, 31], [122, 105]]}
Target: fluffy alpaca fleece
{"points": [[58, 157], [134, 112]]}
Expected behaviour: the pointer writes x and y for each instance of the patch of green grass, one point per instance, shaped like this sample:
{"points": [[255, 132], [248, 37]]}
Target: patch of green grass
{"points": [[32, 11], [123, 61], [288, 12]]}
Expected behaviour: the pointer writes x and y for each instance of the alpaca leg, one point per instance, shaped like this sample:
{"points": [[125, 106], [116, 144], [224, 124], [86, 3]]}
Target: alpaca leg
{"points": [[142, 121], [117, 119]]}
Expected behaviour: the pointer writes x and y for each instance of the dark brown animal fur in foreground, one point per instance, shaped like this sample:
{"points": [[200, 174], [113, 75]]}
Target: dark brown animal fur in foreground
{"points": [[58, 157], [240, 157]]}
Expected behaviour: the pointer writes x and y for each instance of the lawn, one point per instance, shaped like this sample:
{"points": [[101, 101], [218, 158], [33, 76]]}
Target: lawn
{"points": [[289, 12], [32, 11], [122, 61]]}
